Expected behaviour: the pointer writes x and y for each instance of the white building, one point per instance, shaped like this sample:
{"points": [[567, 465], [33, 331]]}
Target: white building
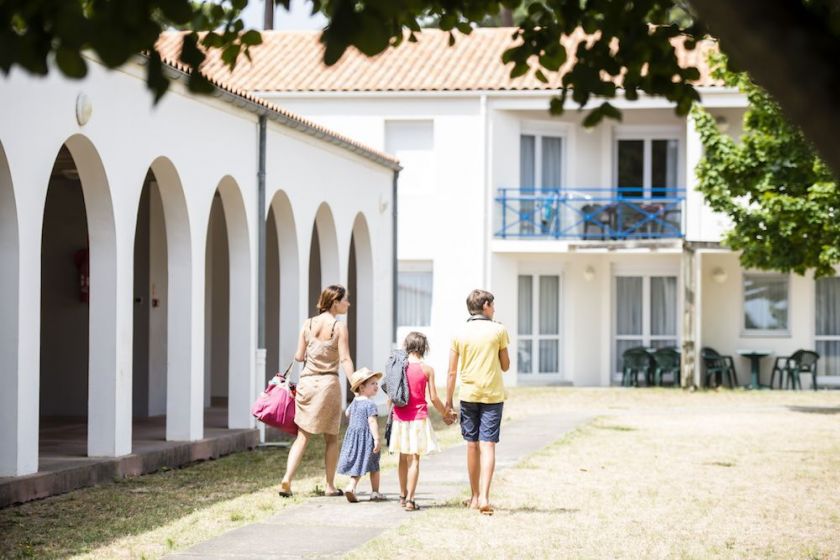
{"points": [[129, 241], [593, 241]]}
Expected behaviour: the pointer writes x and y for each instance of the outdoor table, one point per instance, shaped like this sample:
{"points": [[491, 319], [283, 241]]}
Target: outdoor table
{"points": [[755, 359]]}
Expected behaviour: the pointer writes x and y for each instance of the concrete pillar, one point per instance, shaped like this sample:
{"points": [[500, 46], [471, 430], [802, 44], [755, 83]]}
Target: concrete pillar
{"points": [[689, 349], [693, 210], [158, 298]]}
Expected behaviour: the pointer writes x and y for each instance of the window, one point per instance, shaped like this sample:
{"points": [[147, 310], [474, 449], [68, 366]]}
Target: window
{"points": [[765, 303], [540, 162], [645, 313], [413, 143], [538, 346], [414, 294], [647, 167], [827, 339]]}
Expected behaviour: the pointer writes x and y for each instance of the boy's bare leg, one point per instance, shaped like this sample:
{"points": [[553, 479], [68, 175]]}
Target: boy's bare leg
{"points": [[473, 469], [488, 467]]}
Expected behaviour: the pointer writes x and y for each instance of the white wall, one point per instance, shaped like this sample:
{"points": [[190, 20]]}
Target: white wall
{"points": [[208, 145]]}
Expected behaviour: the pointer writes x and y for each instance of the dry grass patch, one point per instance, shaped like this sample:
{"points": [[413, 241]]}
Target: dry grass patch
{"points": [[660, 474]]}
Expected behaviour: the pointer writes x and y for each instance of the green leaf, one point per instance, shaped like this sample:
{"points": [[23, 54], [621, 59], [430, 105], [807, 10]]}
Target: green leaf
{"points": [[540, 76], [519, 69], [251, 38], [71, 62]]}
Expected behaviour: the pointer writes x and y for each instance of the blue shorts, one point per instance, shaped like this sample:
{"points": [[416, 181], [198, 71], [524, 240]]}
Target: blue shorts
{"points": [[481, 421]]}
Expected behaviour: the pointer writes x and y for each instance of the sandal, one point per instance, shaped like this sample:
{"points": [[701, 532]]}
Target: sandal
{"points": [[411, 505], [351, 496], [285, 490], [486, 509], [402, 501], [337, 492]]}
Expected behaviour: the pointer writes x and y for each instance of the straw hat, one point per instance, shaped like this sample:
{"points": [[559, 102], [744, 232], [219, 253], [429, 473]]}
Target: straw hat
{"points": [[362, 375]]}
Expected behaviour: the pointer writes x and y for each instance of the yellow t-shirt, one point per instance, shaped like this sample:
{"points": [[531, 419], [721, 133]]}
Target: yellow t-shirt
{"points": [[478, 344]]}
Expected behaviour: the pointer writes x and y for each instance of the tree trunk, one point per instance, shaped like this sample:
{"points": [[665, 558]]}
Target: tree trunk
{"points": [[790, 53], [506, 16]]}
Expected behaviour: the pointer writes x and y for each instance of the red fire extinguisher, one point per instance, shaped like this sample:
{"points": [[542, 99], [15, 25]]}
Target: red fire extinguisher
{"points": [[82, 261]]}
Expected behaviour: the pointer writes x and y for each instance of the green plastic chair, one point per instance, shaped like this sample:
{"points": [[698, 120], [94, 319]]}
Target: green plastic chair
{"points": [[802, 361], [635, 361], [718, 367], [667, 361]]}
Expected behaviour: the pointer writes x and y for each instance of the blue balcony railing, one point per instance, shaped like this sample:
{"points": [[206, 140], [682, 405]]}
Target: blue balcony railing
{"points": [[619, 213]]}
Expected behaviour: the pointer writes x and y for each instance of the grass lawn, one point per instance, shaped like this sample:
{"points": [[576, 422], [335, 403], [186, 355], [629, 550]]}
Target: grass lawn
{"points": [[661, 473]]}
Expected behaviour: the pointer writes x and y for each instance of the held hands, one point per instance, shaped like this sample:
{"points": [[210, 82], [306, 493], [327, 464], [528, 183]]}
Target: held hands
{"points": [[449, 415]]}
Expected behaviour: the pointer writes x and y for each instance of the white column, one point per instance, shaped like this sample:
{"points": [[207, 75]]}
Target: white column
{"points": [[159, 305], [694, 202], [185, 349]]}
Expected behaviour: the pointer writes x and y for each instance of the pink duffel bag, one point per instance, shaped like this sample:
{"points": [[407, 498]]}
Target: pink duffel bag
{"points": [[276, 405]]}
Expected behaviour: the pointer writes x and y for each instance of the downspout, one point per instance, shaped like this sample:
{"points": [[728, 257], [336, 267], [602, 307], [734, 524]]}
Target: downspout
{"points": [[394, 261], [259, 369]]}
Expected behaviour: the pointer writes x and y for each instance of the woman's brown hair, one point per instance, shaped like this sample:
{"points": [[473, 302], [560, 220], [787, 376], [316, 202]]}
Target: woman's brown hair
{"points": [[329, 296]]}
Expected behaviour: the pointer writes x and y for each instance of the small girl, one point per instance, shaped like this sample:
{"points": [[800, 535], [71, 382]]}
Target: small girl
{"points": [[412, 434], [360, 450]]}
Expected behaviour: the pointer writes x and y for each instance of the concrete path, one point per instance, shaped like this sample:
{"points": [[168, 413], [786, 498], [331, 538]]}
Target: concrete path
{"points": [[331, 527]]}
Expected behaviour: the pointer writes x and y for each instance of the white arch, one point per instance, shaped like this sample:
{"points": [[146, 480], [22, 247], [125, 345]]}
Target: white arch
{"points": [[289, 259], [362, 300], [178, 295], [240, 378], [328, 239], [9, 308], [109, 394]]}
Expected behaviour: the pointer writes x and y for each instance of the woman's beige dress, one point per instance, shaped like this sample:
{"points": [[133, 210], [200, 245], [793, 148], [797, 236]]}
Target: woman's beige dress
{"points": [[318, 401]]}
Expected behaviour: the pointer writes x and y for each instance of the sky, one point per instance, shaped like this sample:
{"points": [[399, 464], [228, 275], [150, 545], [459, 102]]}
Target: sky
{"points": [[297, 18]]}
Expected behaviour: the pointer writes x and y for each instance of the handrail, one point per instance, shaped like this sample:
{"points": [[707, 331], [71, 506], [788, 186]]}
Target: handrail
{"points": [[620, 213]]}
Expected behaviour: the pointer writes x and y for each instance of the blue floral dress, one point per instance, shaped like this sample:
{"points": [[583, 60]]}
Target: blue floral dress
{"points": [[357, 457]]}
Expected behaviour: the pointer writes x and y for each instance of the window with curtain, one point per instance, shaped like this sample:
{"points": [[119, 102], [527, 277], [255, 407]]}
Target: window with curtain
{"points": [[538, 347], [414, 298], [827, 331], [766, 302], [645, 314]]}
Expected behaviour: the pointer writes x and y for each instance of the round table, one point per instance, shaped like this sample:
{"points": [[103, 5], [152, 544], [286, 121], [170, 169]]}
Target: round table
{"points": [[755, 359]]}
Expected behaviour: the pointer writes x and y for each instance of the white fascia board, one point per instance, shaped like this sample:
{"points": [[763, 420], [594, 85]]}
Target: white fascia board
{"points": [[519, 99]]}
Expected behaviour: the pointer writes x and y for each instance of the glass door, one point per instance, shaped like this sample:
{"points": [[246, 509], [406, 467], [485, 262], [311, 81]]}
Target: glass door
{"points": [[538, 347], [827, 331], [645, 314]]}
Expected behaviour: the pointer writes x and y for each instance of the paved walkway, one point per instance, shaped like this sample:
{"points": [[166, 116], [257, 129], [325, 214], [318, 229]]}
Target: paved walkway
{"points": [[330, 527]]}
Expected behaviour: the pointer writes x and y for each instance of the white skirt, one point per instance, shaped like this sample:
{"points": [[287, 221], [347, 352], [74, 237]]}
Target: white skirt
{"points": [[415, 437]]}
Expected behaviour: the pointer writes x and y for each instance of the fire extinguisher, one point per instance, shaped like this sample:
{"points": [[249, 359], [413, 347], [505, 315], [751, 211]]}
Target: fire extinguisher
{"points": [[82, 261]]}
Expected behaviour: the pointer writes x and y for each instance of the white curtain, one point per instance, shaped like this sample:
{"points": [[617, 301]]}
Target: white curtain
{"points": [[828, 324], [525, 322], [552, 162], [663, 305], [628, 305], [765, 302], [549, 304], [527, 162], [414, 298]]}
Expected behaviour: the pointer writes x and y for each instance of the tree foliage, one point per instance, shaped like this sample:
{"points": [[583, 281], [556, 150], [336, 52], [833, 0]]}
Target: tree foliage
{"points": [[783, 200]]}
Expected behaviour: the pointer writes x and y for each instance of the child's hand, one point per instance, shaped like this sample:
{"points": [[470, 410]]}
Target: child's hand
{"points": [[376, 446]]}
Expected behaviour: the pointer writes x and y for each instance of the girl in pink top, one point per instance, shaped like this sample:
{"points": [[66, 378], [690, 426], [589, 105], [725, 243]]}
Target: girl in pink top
{"points": [[412, 434]]}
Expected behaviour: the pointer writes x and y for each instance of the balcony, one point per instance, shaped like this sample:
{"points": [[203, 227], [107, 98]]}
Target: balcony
{"points": [[624, 213]]}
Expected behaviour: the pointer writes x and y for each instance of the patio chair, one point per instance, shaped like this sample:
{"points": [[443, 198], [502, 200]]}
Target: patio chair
{"points": [[801, 361], [597, 217], [717, 367], [635, 361], [667, 362]]}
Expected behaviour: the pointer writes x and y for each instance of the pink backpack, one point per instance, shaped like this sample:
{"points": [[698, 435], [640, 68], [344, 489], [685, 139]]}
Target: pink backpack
{"points": [[276, 405]]}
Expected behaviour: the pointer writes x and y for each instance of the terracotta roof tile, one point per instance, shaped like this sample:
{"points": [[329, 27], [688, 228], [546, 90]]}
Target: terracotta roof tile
{"points": [[291, 61]]}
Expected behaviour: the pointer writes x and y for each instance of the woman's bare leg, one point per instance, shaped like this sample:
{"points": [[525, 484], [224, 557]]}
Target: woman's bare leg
{"points": [[330, 460], [295, 456]]}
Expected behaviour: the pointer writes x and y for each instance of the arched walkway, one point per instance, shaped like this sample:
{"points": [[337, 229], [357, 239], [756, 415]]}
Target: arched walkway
{"points": [[78, 381], [9, 281], [162, 267], [282, 284], [360, 284], [228, 329]]}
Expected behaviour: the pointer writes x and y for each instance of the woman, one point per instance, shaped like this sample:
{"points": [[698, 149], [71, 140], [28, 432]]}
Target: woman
{"points": [[322, 345]]}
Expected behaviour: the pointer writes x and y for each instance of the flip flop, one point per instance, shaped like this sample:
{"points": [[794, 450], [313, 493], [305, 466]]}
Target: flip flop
{"points": [[411, 505], [486, 509], [336, 493], [351, 496], [285, 490], [402, 501]]}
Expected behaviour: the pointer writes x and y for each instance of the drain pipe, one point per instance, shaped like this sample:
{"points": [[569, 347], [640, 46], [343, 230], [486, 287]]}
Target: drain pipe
{"points": [[394, 261], [261, 351]]}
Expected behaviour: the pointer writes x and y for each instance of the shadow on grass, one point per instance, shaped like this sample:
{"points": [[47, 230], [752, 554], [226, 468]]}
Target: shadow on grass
{"points": [[815, 409]]}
